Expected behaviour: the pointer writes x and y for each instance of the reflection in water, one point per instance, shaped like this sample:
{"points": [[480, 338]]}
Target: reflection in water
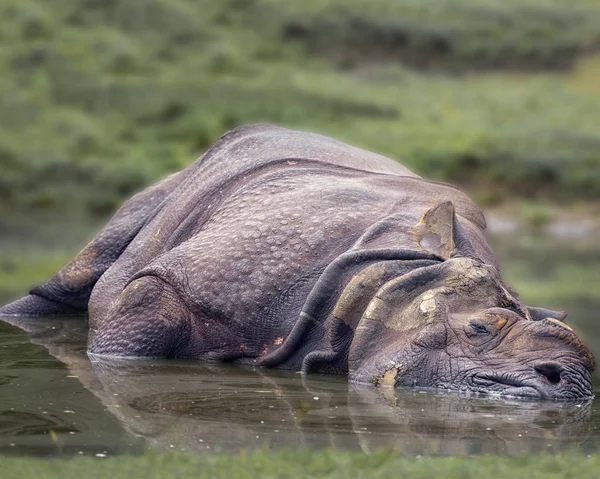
{"points": [[44, 410], [206, 408]]}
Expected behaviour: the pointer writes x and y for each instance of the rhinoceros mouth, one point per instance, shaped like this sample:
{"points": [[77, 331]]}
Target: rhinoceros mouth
{"points": [[531, 386], [505, 385]]}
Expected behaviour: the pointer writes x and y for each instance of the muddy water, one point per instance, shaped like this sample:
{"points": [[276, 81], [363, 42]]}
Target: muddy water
{"points": [[53, 401]]}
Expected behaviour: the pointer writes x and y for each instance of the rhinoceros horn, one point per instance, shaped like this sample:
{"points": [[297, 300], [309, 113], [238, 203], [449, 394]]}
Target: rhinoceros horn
{"points": [[537, 314]]}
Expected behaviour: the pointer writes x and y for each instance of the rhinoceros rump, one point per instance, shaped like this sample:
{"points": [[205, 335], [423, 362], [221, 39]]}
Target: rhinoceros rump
{"points": [[287, 249]]}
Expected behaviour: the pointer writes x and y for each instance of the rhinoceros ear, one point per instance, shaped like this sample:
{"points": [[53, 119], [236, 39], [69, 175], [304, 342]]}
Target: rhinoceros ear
{"points": [[435, 231], [537, 314]]}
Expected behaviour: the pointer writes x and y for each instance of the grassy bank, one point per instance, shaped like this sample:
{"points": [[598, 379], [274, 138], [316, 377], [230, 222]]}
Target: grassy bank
{"points": [[99, 98], [327, 464]]}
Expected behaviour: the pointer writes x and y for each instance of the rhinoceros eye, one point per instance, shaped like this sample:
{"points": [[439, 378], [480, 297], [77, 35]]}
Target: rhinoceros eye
{"points": [[479, 328]]}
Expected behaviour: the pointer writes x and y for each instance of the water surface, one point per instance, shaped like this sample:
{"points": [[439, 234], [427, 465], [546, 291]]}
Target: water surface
{"points": [[54, 401]]}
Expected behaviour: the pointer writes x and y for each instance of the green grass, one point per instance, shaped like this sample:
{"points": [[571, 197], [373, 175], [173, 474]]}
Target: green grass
{"points": [[99, 98], [303, 464]]}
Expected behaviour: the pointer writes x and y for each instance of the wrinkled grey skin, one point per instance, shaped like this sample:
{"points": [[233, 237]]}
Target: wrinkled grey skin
{"points": [[287, 249]]}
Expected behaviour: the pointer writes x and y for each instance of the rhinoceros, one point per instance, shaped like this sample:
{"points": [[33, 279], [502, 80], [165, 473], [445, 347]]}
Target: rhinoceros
{"points": [[288, 249]]}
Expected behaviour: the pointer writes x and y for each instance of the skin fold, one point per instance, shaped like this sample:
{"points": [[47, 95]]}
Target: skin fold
{"points": [[288, 249]]}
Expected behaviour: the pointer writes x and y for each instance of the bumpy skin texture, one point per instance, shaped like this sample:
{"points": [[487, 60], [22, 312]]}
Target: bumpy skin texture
{"points": [[288, 249]]}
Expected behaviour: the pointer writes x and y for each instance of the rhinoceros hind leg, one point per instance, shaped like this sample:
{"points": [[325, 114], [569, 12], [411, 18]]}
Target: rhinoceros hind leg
{"points": [[32, 305], [69, 290]]}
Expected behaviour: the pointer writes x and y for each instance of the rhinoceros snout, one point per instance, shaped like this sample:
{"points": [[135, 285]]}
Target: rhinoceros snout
{"points": [[556, 380]]}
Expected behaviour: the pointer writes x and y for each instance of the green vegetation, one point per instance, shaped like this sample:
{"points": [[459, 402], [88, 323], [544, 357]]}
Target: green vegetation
{"points": [[550, 272], [98, 98], [446, 35], [303, 464], [101, 97], [20, 272]]}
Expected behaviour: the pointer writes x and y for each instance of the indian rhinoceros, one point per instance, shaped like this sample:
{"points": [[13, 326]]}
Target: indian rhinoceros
{"points": [[288, 249]]}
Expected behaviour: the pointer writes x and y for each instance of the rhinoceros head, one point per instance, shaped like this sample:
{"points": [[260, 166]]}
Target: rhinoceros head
{"points": [[454, 325]]}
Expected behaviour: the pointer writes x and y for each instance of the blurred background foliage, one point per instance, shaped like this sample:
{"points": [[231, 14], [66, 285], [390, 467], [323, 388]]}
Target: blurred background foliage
{"points": [[99, 98]]}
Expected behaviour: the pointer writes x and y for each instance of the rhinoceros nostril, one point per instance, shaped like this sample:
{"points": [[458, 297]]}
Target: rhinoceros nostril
{"points": [[549, 371]]}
